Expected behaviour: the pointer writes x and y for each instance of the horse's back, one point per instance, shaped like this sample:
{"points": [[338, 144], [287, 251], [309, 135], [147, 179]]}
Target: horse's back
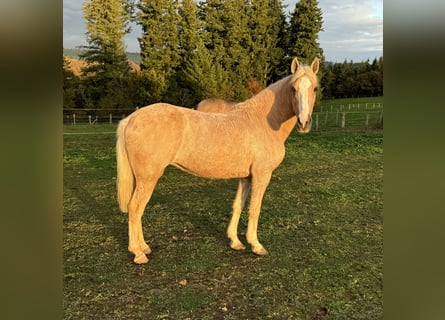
{"points": [[214, 145], [215, 105]]}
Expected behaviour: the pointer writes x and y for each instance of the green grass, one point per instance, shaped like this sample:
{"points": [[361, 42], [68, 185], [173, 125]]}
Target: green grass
{"points": [[321, 221]]}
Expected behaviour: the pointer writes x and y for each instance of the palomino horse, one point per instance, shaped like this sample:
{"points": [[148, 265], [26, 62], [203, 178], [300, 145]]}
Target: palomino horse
{"points": [[215, 105], [246, 143]]}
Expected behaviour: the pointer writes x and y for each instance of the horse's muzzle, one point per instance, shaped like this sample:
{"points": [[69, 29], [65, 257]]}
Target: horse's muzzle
{"points": [[304, 127]]}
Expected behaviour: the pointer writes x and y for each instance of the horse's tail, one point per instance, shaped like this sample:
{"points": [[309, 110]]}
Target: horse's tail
{"points": [[125, 177]]}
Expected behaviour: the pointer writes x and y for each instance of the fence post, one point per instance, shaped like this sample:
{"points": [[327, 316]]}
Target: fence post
{"points": [[111, 118], [326, 118], [74, 119], [336, 119], [89, 119], [381, 118], [316, 121], [367, 120], [343, 120]]}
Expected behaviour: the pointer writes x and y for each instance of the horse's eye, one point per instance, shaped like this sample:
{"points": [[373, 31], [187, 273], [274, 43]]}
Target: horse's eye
{"points": [[315, 89]]}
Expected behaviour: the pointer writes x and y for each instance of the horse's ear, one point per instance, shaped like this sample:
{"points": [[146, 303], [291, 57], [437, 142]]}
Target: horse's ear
{"points": [[315, 65], [295, 65]]}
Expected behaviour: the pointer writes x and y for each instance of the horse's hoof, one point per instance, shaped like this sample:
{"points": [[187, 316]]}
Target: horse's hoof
{"points": [[140, 258], [146, 250], [237, 246], [260, 251]]}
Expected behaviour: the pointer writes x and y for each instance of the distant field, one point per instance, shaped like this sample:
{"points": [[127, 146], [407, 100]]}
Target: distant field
{"points": [[74, 53], [321, 221]]}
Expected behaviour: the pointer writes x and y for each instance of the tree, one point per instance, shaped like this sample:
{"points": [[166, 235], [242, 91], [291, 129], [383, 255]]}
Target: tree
{"points": [[204, 77], [107, 23], [226, 37], [70, 83], [159, 43], [190, 28], [282, 68], [349, 79], [305, 24], [266, 25]]}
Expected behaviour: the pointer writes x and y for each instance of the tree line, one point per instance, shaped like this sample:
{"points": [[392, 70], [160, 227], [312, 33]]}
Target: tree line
{"points": [[191, 50]]}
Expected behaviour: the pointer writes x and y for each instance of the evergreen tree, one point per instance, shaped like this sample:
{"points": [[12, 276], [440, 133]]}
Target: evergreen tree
{"points": [[159, 43], [190, 28], [266, 25], [305, 23], [226, 36], [282, 68], [181, 91], [348, 79], [205, 77], [107, 23]]}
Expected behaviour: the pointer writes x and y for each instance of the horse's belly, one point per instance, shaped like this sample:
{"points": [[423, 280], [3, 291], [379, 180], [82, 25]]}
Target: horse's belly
{"points": [[214, 168]]}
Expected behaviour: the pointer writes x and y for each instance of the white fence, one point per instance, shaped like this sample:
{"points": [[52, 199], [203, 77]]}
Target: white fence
{"points": [[94, 116], [340, 116]]}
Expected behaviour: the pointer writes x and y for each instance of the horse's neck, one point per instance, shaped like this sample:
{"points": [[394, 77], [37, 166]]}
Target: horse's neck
{"points": [[275, 104]]}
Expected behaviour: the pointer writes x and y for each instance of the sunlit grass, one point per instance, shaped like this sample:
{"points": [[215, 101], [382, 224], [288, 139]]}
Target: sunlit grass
{"points": [[321, 222]]}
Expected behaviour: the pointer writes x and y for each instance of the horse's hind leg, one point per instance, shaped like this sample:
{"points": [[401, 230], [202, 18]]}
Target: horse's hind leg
{"points": [[141, 196], [238, 205]]}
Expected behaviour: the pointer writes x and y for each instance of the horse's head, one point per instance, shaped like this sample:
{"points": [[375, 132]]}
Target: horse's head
{"points": [[304, 86]]}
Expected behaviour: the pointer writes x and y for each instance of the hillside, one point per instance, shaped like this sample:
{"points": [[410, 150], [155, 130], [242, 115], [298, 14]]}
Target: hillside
{"points": [[72, 55]]}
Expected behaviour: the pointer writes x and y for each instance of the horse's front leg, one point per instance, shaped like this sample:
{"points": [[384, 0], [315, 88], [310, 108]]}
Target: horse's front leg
{"points": [[238, 205], [259, 185]]}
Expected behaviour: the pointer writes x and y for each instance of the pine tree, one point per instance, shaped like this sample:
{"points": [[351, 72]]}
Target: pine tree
{"points": [[107, 23], [190, 28], [227, 38], [267, 23], [305, 23], [159, 43], [206, 78], [181, 91]]}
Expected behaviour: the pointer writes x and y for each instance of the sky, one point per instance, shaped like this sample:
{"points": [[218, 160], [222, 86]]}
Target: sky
{"points": [[353, 29]]}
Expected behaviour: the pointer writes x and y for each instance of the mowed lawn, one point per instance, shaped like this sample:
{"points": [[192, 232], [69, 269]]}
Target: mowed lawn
{"points": [[321, 221]]}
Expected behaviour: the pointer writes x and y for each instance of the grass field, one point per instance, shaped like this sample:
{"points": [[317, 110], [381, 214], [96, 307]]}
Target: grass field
{"points": [[321, 221]]}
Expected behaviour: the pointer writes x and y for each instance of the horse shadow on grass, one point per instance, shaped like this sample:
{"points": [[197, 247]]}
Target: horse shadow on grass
{"points": [[178, 210]]}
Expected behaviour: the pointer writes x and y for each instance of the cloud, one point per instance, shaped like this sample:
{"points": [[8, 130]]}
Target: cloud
{"points": [[73, 24], [353, 29]]}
